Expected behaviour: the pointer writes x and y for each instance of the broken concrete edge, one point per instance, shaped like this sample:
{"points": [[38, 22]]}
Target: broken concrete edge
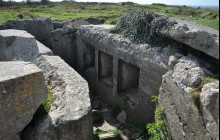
{"points": [[176, 99], [71, 106], [195, 35], [22, 90]]}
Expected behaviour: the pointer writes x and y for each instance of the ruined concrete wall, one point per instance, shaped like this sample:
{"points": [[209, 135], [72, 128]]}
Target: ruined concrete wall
{"points": [[187, 116], [22, 90], [70, 114], [63, 42], [40, 28], [151, 62]]}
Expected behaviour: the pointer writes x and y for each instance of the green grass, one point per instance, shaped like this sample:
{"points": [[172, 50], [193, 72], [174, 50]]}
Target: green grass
{"points": [[136, 127], [111, 13]]}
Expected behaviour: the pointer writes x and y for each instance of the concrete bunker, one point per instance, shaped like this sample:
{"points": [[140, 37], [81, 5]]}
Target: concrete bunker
{"points": [[134, 73], [128, 80], [106, 68]]}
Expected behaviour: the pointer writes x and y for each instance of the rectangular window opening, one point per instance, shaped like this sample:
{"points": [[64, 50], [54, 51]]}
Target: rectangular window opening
{"points": [[128, 80], [106, 68]]}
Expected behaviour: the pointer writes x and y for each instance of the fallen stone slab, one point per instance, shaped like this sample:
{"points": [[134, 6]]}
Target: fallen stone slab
{"points": [[196, 36], [40, 28], [17, 45], [70, 115], [22, 90]]}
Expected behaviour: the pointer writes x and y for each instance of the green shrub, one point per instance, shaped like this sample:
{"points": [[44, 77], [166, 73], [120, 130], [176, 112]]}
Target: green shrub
{"points": [[208, 80], [136, 127], [143, 27], [158, 129], [117, 133], [96, 135]]}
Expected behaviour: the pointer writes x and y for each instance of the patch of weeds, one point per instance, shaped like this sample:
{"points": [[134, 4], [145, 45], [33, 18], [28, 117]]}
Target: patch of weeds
{"points": [[158, 129], [117, 133], [47, 104], [115, 110], [136, 127], [208, 80], [195, 94], [96, 134]]}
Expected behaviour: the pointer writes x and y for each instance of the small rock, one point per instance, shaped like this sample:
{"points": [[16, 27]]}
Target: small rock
{"points": [[106, 127], [122, 117]]}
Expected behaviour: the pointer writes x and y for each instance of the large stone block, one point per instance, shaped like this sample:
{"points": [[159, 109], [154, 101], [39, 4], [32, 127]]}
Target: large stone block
{"points": [[22, 90], [40, 28], [186, 116], [70, 115], [17, 45]]}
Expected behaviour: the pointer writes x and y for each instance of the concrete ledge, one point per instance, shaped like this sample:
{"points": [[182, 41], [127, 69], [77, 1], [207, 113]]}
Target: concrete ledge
{"points": [[22, 90]]}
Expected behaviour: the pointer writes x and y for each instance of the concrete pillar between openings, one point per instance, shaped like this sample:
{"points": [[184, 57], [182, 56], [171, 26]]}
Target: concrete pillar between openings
{"points": [[115, 75]]}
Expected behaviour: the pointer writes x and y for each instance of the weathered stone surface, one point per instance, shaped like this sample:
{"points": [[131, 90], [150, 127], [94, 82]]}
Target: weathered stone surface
{"points": [[187, 73], [183, 116], [122, 117], [210, 108], [196, 36], [43, 50], [22, 90], [63, 44], [17, 45], [70, 115], [40, 28]]}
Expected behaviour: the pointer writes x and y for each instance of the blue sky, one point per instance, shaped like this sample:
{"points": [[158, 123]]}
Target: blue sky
{"points": [[170, 2]]}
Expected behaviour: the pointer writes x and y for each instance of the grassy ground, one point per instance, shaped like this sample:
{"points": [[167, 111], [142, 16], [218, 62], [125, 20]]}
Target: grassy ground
{"points": [[108, 13]]}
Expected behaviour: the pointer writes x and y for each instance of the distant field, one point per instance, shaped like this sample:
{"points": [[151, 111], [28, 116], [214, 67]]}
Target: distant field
{"points": [[107, 13]]}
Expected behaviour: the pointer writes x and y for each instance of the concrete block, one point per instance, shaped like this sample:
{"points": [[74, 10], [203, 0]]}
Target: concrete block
{"points": [[22, 91]]}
